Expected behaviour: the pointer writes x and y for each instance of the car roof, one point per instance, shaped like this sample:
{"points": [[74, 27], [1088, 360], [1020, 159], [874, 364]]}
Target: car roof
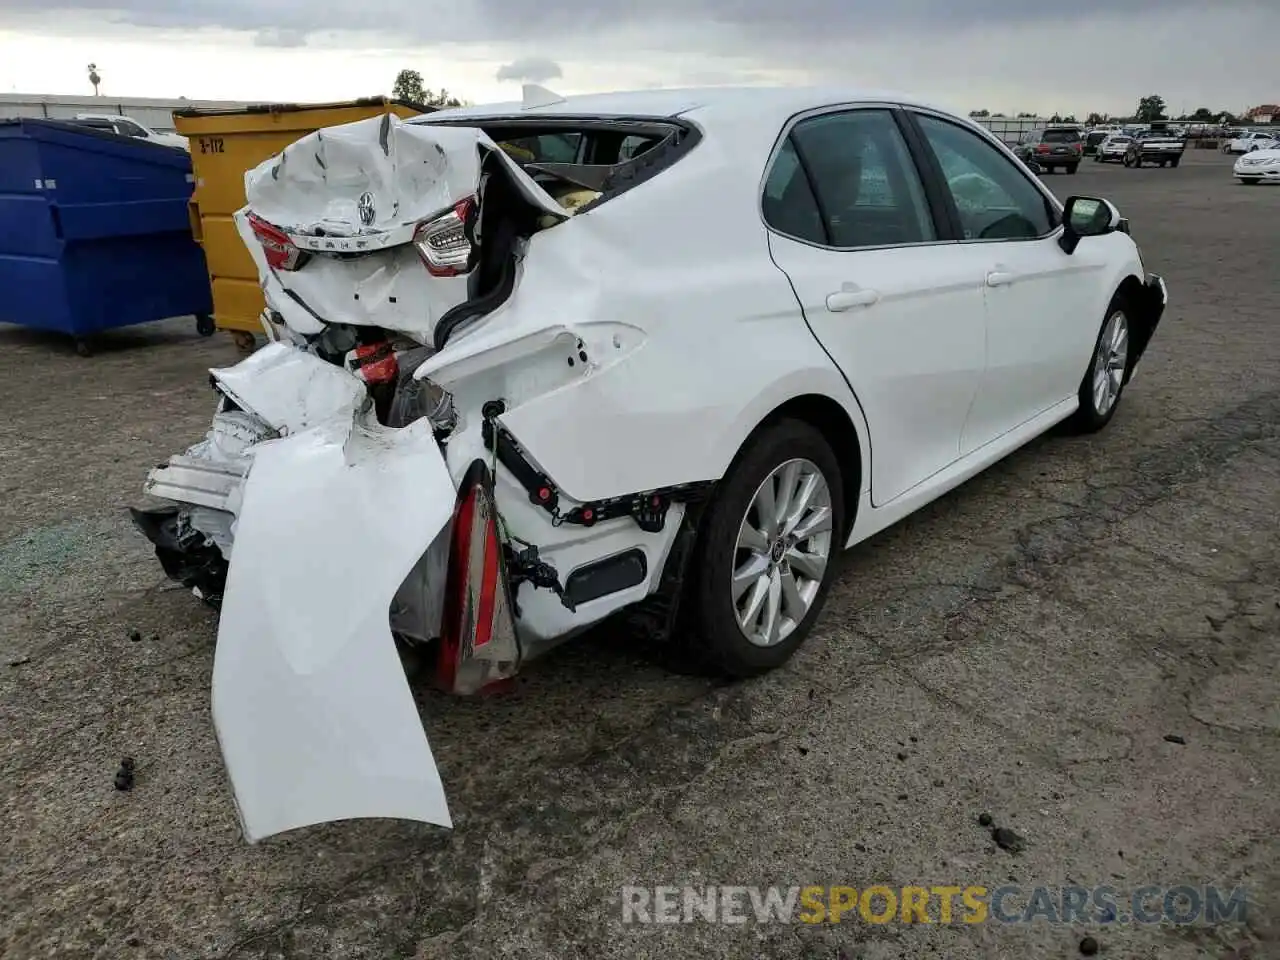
{"points": [[726, 104]]}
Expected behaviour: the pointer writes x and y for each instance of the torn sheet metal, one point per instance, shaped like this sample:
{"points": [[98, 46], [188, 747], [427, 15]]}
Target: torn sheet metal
{"points": [[354, 195], [364, 186], [310, 702], [290, 389]]}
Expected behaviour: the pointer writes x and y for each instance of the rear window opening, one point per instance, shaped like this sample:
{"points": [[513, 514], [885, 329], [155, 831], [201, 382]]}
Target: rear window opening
{"points": [[569, 154], [1062, 136]]}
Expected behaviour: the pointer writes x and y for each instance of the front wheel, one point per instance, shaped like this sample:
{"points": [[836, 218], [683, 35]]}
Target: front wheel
{"points": [[766, 554], [1104, 381]]}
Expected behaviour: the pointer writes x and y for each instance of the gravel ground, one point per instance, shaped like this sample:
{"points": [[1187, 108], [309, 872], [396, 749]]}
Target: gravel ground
{"points": [[1022, 647]]}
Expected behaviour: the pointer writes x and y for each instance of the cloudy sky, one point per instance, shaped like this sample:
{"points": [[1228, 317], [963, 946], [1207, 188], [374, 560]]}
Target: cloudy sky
{"points": [[1003, 55]]}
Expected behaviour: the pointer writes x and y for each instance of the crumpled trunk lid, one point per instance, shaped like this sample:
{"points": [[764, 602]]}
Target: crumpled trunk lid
{"points": [[350, 200]]}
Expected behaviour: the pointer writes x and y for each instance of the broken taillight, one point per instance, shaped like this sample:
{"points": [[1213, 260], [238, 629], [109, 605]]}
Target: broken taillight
{"points": [[374, 362], [478, 645], [281, 252], [442, 243]]}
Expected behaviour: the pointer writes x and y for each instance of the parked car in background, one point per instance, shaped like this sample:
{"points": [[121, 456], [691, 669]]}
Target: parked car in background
{"points": [[1259, 165], [1154, 147], [1113, 148], [128, 127], [489, 418], [1093, 139], [1250, 140], [1052, 148]]}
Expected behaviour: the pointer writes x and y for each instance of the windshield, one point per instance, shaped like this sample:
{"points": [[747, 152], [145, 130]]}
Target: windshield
{"points": [[1062, 136]]}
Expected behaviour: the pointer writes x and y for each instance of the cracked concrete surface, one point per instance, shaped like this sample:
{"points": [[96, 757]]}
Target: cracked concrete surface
{"points": [[1026, 643]]}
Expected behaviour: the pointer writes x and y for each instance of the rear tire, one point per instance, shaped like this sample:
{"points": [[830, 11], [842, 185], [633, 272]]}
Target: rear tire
{"points": [[753, 572], [1104, 381], [1072, 167], [1174, 163]]}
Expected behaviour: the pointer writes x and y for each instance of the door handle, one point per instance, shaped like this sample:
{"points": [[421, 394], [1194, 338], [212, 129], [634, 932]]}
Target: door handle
{"points": [[999, 278], [850, 296]]}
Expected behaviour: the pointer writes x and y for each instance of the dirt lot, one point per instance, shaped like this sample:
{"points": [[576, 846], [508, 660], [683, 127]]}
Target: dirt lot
{"points": [[1022, 647]]}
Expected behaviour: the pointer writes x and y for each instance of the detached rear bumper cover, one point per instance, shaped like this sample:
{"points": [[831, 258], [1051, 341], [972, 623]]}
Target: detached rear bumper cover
{"points": [[310, 701]]}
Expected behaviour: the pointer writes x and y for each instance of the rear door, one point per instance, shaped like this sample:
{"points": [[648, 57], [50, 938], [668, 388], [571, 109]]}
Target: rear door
{"points": [[1041, 318], [894, 302]]}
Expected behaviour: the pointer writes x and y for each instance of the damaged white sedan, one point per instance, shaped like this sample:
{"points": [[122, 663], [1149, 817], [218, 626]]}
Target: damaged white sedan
{"points": [[664, 352]]}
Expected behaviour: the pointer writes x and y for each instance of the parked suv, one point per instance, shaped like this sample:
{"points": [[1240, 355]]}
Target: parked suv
{"points": [[1052, 147]]}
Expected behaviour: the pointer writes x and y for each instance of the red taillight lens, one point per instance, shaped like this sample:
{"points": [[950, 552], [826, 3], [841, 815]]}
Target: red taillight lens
{"points": [[478, 645], [442, 243], [375, 363], [280, 250], [1042, 148]]}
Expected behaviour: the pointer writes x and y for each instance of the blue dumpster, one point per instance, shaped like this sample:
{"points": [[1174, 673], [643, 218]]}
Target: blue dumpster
{"points": [[94, 232]]}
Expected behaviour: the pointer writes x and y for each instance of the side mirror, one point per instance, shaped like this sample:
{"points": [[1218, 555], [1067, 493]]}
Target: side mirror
{"points": [[1087, 217]]}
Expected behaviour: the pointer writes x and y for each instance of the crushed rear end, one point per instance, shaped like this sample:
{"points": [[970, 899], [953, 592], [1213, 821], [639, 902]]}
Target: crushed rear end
{"points": [[343, 503]]}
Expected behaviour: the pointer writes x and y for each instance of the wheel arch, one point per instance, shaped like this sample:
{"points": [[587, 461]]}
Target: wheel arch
{"points": [[1143, 317], [830, 418]]}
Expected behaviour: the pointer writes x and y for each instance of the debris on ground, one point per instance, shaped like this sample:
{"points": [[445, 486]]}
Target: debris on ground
{"points": [[1006, 839], [19, 661], [1088, 946], [135, 635], [984, 820], [1174, 738], [124, 776]]}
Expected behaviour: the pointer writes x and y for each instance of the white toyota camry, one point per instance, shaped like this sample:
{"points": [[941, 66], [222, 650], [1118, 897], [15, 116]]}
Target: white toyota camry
{"points": [[664, 352]]}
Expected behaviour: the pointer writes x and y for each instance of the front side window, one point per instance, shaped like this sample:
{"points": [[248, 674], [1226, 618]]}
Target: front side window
{"points": [[995, 199], [864, 179], [127, 128]]}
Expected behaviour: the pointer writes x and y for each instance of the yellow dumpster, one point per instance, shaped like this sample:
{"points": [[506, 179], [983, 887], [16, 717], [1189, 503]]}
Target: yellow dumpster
{"points": [[225, 144]]}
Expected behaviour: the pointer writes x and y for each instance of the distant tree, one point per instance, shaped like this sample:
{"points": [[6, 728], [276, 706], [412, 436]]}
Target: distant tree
{"points": [[441, 98], [1095, 118], [1026, 116], [1056, 118], [408, 86], [1150, 109], [979, 113], [1203, 114], [94, 78], [1070, 118], [997, 115]]}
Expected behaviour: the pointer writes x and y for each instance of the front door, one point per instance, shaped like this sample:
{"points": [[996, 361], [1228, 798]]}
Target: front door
{"points": [[1041, 315]]}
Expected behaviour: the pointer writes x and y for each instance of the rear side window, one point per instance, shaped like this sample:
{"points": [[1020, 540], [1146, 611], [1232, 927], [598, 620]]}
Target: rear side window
{"points": [[864, 179], [789, 205], [1062, 136]]}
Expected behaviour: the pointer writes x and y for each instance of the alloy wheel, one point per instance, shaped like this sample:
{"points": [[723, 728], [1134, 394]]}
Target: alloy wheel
{"points": [[782, 553], [1109, 363]]}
